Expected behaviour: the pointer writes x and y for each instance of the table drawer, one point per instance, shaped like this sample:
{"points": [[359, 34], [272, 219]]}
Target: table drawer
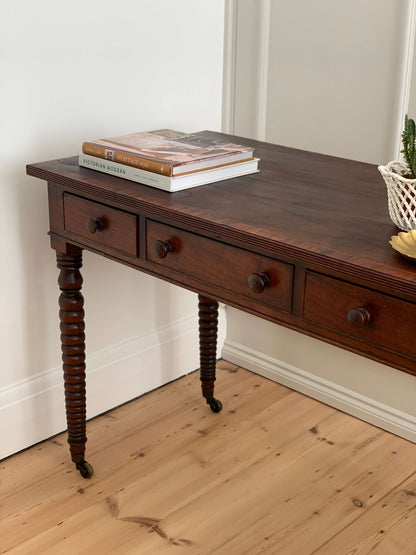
{"points": [[361, 313], [221, 265], [102, 224]]}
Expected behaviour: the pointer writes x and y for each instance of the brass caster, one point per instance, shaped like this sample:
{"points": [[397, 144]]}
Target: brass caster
{"points": [[86, 470]]}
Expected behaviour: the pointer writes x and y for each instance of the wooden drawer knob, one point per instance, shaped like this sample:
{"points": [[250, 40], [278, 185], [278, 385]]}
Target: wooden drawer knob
{"points": [[359, 317], [95, 224], [162, 248], [258, 282]]}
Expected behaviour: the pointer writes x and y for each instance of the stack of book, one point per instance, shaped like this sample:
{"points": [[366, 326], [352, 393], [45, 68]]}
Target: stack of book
{"points": [[169, 160]]}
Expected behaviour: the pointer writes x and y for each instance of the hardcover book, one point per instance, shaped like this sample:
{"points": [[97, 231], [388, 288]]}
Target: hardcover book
{"points": [[168, 152], [165, 182]]}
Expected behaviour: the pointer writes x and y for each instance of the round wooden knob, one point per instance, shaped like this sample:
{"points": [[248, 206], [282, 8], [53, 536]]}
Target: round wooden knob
{"points": [[359, 317], [162, 248], [95, 224], [258, 282]]}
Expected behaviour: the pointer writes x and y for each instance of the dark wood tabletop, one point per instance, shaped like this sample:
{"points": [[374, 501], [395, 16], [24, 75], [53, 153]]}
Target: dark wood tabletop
{"points": [[314, 207]]}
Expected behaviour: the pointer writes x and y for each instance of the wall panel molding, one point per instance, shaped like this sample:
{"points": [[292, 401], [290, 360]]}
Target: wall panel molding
{"points": [[230, 53], [246, 102], [404, 86], [263, 64]]}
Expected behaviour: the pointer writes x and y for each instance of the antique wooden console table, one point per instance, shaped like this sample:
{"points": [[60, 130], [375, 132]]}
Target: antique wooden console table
{"points": [[304, 243]]}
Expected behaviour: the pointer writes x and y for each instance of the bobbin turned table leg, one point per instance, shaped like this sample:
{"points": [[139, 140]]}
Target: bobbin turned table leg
{"points": [[71, 315], [208, 329]]}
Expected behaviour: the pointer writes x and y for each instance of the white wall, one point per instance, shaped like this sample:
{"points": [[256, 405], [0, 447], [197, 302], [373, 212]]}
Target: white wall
{"points": [[329, 77], [77, 71]]}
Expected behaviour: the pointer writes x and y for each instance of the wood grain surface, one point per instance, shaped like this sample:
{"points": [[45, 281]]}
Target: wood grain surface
{"points": [[274, 472], [314, 207]]}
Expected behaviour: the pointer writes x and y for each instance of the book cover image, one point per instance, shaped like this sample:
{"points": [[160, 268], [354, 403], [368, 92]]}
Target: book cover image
{"points": [[173, 147]]}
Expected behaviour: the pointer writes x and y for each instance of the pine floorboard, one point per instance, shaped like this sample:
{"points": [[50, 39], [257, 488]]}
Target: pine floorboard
{"points": [[274, 473]]}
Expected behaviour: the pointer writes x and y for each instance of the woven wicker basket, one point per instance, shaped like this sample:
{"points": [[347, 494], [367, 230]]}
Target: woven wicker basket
{"points": [[401, 193]]}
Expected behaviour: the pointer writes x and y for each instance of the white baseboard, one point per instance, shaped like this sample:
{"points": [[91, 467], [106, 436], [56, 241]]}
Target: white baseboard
{"points": [[347, 400], [33, 410]]}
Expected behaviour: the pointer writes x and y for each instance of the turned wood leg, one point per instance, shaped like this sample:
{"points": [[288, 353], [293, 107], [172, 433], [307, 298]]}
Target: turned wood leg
{"points": [[208, 328], [71, 315]]}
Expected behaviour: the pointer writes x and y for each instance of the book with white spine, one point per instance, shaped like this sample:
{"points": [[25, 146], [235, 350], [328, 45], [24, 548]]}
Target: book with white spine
{"points": [[164, 182]]}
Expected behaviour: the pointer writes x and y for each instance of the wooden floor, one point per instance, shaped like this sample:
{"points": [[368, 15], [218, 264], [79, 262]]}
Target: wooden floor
{"points": [[274, 473]]}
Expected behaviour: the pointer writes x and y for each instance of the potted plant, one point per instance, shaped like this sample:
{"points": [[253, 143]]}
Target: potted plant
{"points": [[400, 179]]}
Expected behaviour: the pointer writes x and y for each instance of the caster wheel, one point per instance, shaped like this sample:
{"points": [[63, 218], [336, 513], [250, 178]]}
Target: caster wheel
{"points": [[216, 406], [86, 470]]}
